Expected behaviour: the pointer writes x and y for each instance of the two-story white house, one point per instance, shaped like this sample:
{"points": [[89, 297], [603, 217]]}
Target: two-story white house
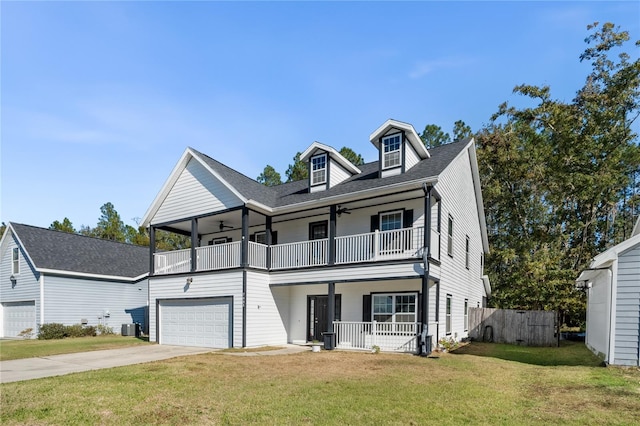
{"points": [[359, 256]]}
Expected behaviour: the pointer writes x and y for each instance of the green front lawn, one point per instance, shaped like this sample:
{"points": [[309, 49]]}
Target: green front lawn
{"points": [[17, 349], [478, 385]]}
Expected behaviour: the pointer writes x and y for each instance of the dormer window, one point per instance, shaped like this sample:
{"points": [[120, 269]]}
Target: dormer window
{"points": [[318, 169], [391, 153]]}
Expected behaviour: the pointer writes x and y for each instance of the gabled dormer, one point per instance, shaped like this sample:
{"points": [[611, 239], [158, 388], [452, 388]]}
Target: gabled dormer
{"points": [[399, 147], [327, 167]]}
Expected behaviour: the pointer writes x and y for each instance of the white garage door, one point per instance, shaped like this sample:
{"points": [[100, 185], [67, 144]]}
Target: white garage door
{"points": [[196, 322], [18, 316]]}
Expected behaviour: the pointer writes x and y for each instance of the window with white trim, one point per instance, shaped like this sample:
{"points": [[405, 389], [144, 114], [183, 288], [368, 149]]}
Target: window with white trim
{"points": [[318, 169], [466, 314], [15, 261], [391, 151], [448, 314], [261, 237], [466, 253], [391, 220], [395, 308], [450, 237]]}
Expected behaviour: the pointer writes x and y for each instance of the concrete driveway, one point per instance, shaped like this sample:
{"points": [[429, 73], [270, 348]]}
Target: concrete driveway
{"points": [[57, 365]]}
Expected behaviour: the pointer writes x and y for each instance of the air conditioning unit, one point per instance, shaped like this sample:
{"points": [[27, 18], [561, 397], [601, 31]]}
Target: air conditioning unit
{"points": [[129, 329]]}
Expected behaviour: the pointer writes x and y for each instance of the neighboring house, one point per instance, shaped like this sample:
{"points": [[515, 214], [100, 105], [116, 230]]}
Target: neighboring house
{"points": [[49, 276], [612, 283], [342, 252]]}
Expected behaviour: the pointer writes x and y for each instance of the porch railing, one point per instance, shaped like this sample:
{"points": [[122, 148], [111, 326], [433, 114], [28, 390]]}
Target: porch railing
{"points": [[392, 337], [172, 262], [218, 256], [300, 254], [258, 255]]}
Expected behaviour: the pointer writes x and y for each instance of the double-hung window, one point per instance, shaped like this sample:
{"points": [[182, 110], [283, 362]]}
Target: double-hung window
{"points": [[391, 151], [450, 237], [391, 242], [399, 308], [261, 237], [15, 261], [318, 169], [466, 314], [448, 315], [466, 250]]}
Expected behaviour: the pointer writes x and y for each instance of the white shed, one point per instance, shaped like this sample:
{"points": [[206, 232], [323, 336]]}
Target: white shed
{"points": [[612, 282]]}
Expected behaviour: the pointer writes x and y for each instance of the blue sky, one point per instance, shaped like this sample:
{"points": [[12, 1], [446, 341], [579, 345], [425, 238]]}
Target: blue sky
{"points": [[100, 99]]}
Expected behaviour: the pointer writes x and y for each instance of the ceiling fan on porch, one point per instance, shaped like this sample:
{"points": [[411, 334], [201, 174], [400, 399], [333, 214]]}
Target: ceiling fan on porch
{"points": [[341, 210], [223, 226]]}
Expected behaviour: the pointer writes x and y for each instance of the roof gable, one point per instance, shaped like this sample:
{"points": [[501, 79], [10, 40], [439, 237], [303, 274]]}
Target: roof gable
{"points": [[410, 133], [335, 155], [636, 229], [606, 257], [61, 252]]}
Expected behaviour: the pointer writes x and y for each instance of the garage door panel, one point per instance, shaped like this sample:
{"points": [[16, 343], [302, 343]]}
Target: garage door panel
{"points": [[195, 322], [18, 316]]}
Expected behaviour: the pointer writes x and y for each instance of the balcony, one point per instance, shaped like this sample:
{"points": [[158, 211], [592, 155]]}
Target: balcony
{"points": [[361, 248]]}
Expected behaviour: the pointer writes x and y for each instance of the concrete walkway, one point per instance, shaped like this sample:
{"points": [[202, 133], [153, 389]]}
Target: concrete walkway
{"points": [[57, 365]]}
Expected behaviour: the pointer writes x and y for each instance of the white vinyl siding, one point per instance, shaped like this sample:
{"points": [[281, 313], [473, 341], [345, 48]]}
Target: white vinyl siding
{"points": [[214, 285], [195, 192], [264, 324], [70, 300], [411, 157], [627, 326], [337, 174]]}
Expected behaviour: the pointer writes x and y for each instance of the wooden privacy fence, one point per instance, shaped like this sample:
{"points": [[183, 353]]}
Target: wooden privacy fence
{"points": [[528, 328]]}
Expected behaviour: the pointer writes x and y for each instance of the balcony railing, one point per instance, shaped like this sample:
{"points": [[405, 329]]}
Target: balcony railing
{"points": [[219, 256], [299, 255], [370, 247]]}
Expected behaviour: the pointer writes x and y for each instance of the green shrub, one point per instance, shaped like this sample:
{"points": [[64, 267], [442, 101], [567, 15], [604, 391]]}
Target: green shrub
{"points": [[104, 330], [79, 330], [52, 330]]}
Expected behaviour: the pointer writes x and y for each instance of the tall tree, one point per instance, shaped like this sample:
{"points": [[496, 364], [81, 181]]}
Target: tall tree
{"points": [[298, 170], [110, 225], [461, 130], [269, 177], [64, 226], [433, 136], [554, 174], [352, 156]]}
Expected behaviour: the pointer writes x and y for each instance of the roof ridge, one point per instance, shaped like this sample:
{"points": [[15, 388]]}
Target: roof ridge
{"points": [[77, 235]]}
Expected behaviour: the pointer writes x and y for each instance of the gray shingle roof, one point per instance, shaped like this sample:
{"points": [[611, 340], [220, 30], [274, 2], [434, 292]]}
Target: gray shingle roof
{"points": [[63, 251], [297, 192]]}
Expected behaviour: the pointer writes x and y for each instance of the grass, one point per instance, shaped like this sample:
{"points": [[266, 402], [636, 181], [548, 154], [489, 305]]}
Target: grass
{"points": [[477, 385], [17, 349]]}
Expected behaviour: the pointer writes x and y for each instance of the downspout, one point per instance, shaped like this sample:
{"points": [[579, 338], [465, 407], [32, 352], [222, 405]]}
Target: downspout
{"points": [[41, 298], [424, 347]]}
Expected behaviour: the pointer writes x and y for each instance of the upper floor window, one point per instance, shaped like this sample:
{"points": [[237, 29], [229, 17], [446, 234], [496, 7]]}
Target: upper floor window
{"points": [[391, 151], [318, 169], [466, 251], [390, 221], [15, 261], [450, 237], [261, 237], [395, 308]]}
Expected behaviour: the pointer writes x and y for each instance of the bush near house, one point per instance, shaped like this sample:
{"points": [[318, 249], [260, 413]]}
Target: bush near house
{"points": [[56, 330]]}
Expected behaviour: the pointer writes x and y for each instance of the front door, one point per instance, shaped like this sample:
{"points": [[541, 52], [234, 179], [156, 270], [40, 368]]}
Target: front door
{"points": [[317, 308]]}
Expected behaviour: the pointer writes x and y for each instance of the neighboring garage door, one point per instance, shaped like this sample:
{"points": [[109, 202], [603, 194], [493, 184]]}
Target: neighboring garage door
{"points": [[196, 322], [18, 316]]}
